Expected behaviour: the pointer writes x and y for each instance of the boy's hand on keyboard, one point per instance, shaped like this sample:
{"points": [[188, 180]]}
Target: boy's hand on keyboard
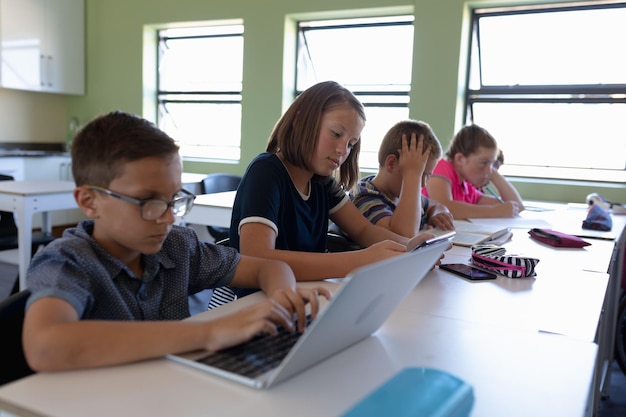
{"points": [[295, 302], [263, 317]]}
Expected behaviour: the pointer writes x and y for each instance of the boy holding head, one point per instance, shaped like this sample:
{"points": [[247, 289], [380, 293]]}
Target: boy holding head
{"points": [[393, 197]]}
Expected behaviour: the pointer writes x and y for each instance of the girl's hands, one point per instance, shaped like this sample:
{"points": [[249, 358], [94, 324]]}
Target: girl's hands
{"points": [[421, 238], [418, 239], [381, 250], [507, 209]]}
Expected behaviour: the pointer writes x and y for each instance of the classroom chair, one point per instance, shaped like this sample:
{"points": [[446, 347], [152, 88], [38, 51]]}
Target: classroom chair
{"points": [[218, 183], [13, 362], [336, 242], [221, 295]]}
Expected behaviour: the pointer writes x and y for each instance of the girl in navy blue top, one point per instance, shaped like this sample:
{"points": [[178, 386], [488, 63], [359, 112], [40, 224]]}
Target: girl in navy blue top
{"points": [[289, 193]]}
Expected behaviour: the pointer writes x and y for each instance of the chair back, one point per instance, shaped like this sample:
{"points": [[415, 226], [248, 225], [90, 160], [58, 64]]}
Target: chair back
{"points": [[8, 230], [336, 242], [7, 224], [12, 361], [7, 221], [220, 182], [222, 295]]}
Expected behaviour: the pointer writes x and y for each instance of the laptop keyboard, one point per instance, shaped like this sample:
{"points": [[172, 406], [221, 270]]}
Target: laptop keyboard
{"points": [[256, 356]]}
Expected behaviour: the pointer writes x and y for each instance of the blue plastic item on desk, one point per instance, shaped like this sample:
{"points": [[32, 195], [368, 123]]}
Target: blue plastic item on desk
{"points": [[422, 392]]}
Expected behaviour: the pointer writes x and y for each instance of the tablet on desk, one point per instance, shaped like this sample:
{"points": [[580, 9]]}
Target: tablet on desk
{"points": [[439, 235], [469, 234], [468, 271]]}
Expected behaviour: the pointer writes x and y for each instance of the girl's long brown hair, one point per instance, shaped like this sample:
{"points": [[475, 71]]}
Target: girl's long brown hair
{"points": [[297, 131]]}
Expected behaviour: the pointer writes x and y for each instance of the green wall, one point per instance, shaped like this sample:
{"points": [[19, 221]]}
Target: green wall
{"points": [[115, 36]]}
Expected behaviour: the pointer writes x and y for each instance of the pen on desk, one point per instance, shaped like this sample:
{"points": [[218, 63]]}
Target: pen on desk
{"points": [[494, 194]]}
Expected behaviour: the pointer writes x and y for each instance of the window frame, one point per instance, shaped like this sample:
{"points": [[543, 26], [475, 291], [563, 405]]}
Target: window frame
{"points": [[565, 93], [233, 29], [399, 98]]}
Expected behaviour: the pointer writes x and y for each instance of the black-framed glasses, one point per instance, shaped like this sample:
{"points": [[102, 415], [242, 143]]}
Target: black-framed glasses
{"points": [[153, 208]]}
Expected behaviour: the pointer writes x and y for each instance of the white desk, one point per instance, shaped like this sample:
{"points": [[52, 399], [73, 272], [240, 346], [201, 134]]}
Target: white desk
{"points": [[568, 303], [566, 285], [514, 373], [25, 198], [566, 218], [212, 209], [525, 345], [573, 295]]}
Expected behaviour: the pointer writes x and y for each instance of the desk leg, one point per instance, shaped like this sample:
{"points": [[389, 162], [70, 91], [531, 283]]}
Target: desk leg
{"points": [[46, 223], [24, 239]]}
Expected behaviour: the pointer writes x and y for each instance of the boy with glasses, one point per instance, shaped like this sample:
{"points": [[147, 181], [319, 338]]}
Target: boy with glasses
{"points": [[115, 288]]}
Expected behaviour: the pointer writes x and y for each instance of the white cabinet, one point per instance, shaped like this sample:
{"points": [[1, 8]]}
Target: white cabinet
{"points": [[37, 168], [13, 167], [42, 45], [48, 168]]}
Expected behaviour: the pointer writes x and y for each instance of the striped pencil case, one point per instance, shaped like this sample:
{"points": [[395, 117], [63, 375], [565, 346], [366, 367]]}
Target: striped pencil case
{"points": [[494, 259]]}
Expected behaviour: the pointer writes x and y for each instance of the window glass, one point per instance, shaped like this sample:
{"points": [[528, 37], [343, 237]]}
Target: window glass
{"points": [[554, 97], [550, 48], [573, 135], [358, 54], [208, 130], [200, 72], [379, 120]]}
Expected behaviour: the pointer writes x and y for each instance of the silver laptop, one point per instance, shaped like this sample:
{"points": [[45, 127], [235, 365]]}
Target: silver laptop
{"points": [[363, 302]]}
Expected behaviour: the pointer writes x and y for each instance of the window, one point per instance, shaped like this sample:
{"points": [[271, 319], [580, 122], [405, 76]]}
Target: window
{"points": [[372, 57], [550, 84], [199, 84]]}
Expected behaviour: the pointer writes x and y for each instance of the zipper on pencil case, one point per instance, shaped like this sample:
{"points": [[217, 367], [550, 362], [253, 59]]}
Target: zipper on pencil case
{"points": [[546, 234], [494, 263]]}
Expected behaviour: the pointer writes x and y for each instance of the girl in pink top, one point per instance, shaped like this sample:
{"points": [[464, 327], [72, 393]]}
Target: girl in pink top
{"points": [[468, 165]]}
